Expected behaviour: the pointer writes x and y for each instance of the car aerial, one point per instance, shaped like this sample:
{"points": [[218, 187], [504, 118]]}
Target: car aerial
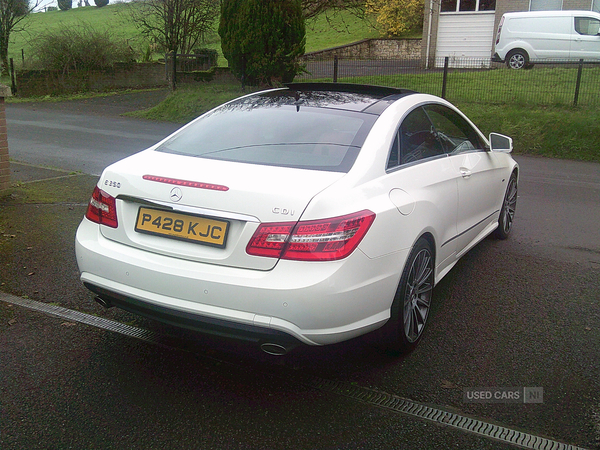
{"points": [[307, 214]]}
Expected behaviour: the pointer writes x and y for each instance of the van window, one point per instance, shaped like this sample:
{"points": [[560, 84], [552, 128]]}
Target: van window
{"points": [[587, 26]]}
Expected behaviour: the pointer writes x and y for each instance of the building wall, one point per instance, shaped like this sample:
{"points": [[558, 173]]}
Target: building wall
{"points": [[577, 4], [432, 14]]}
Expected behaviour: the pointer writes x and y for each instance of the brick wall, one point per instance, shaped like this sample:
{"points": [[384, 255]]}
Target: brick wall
{"points": [[4, 163], [577, 4]]}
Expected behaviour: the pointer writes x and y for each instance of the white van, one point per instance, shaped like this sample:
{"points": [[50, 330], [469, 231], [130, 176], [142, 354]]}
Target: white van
{"points": [[526, 37]]}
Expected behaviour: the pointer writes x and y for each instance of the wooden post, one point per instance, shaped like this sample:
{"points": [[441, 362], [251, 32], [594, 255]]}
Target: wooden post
{"points": [[4, 163]]}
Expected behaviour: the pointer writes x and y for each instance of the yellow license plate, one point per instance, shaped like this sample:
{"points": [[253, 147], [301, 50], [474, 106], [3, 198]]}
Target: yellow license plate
{"points": [[202, 230]]}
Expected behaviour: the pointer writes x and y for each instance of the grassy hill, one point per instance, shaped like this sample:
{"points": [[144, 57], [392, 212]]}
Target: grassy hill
{"points": [[322, 33]]}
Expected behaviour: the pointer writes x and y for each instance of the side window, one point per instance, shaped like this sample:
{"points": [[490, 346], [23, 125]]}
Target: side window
{"points": [[417, 138], [454, 132], [587, 26]]}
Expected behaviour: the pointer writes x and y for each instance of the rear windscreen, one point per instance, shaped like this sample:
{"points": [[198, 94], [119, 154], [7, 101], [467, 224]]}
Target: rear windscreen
{"points": [[288, 136]]}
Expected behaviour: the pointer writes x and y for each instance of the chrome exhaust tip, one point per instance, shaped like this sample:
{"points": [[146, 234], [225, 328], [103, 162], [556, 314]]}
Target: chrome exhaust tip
{"points": [[106, 303], [273, 349]]}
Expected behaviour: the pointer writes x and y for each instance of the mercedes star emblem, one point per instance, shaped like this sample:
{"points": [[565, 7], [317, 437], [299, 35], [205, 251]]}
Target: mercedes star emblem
{"points": [[176, 194]]}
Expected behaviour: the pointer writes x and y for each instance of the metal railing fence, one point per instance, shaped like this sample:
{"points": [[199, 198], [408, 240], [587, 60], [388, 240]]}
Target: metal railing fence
{"points": [[470, 80]]}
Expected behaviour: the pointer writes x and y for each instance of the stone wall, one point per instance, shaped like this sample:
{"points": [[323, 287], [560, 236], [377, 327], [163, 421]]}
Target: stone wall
{"points": [[372, 49], [33, 83], [219, 74], [36, 83]]}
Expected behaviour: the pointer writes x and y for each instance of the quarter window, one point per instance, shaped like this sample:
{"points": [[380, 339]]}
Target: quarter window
{"points": [[431, 131], [454, 132], [416, 139]]}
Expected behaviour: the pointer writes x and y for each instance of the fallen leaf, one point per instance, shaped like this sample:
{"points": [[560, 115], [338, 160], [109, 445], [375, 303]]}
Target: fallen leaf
{"points": [[588, 329], [68, 324], [12, 321], [448, 385], [30, 273]]}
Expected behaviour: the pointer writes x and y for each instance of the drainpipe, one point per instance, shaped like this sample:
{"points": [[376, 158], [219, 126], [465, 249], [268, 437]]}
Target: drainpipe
{"points": [[429, 33]]}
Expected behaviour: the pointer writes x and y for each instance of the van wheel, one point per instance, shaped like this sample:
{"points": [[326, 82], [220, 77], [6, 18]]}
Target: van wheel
{"points": [[517, 59]]}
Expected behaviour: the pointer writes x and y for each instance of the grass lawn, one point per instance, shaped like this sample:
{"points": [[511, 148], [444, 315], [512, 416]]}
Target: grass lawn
{"points": [[548, 86], [321, 32]]}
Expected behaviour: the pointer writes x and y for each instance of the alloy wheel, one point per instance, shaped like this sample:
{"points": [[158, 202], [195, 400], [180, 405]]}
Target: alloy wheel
{"points": [[417, 297]]}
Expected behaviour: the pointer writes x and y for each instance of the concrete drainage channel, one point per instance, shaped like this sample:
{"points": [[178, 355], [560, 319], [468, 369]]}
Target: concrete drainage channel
{"points": [[364, 395]]}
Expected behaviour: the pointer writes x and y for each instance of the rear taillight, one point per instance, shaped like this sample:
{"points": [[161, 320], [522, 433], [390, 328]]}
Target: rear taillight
{"points": [[314, 240], [102, 209], [499, 30]]}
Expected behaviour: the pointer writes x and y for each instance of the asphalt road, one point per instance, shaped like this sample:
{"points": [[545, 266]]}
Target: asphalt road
{"points": [[83, 136], [517, 313]]}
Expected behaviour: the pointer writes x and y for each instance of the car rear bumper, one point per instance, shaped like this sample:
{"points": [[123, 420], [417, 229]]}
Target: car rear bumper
{"points": [[192, 321], [314, 303]]}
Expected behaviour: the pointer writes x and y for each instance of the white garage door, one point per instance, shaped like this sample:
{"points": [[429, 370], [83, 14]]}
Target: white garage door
{"points": [[466, 38]]}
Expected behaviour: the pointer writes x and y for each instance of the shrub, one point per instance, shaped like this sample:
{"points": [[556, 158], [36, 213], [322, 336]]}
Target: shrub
{"points": [[101, 3], [397, 16], [209, 53], [80, 48], [263, 39], [65, 5]]}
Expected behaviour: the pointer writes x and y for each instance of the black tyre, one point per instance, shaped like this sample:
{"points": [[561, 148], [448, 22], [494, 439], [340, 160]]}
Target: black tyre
{"points": [[509, 207], [517, 59], [412, 302]]}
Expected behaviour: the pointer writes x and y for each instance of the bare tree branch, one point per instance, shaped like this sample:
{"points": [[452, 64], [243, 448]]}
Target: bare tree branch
{"points": [[176, 25], [12, 12], [313, 8]]}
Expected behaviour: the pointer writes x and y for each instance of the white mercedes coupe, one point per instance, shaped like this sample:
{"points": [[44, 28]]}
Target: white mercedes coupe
{"points": [[312, 213]]}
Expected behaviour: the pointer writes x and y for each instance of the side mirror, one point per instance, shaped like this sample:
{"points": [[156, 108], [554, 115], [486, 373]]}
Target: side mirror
{"points": [[500, 143]]}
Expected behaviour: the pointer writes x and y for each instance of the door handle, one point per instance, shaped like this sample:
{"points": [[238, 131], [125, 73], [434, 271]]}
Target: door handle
{"points": [[466, 173]]}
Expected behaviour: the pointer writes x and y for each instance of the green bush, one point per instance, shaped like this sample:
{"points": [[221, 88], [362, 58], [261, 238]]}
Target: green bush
{"points": [[263, 39], [80, 48], [65, 5], [209, 53]]}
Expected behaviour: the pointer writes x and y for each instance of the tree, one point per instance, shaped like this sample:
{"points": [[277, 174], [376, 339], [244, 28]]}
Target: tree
{"points": [[263, 39], [313, 8], [397, 16], [12, 12], [176, 25]]}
